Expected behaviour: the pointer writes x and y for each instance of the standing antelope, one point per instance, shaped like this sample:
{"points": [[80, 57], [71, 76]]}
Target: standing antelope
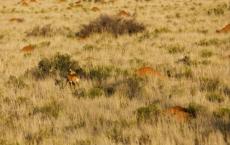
{"points": [[72, 78]]}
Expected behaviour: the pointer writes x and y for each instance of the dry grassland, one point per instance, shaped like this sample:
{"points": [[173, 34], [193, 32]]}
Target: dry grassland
{"points": [[152, 72]]}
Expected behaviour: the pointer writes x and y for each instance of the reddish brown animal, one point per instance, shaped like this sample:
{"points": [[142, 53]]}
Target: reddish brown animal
{"points": [[72, 78], [143, 71], [123, 13], [181, 114], [28, 49], [225, 29]]}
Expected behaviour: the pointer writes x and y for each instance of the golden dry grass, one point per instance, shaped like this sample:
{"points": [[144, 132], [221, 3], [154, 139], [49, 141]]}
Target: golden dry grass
{"points": [[112, 105]]}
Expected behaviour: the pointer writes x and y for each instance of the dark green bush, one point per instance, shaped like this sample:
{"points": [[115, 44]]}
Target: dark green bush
{"points": [[147, 113], [210, 84], [194, 109], [222, 113], [59, 64], [15, 82], [51, 109], [111, 24], [215, 97], [134, 87], [95, 92]]}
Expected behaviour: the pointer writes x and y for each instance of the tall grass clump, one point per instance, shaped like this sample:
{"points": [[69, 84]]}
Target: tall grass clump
{"points": [[111, 24]]}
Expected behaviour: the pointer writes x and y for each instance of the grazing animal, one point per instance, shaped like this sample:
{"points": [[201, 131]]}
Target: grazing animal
{"points": [[225, 29], [72, 78], [16, 20], [123, 13], [180, 113], [95, 9], [143, 71], [27, 49]]}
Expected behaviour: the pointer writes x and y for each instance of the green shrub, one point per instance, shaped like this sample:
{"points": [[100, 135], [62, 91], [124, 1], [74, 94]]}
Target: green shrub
{"points": [[63, 62], [205, 42], [147, 113], [134, 88], [82, 142], [144, 139], [95, 92], [206, 53], [111, 24], [210, 84], [59, 64], [186, 72], [44, 31], [173, 49], [100, 73], [222, 113], [51, 109], [218, 10], [80, 93], [194, 109], [15, 82], [215, 97], [162, 30], [116, 134]]}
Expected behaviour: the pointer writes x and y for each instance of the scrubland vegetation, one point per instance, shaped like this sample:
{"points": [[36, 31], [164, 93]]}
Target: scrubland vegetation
{"points": [[151, 72]]}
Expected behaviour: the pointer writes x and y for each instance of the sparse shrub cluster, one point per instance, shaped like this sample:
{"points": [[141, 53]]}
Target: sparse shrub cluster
{"points": [[48, 31], [222, 113], [16, 82], [218, 10], [111, 24], [147, 113], [60, 63], [206, 53], [51, 109], [205, 42], [173, 49]]}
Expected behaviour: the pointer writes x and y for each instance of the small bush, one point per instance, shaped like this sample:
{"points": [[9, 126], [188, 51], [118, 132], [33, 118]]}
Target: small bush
{"points": [[205, 42], [214, 97], [222, 113], [51, 109], [147, 113], [60, 63], [218, 10], [162, 30], [116, 134], [45, 31], [63, 62], [185, 72], [195, 109], [210, 85], [175, 49], [134, 87], [99, 73], [45, 66], [80, 93], [95, 92], [15, 82], [206, 53], [111, 24], [83, 142], [145, 139]]}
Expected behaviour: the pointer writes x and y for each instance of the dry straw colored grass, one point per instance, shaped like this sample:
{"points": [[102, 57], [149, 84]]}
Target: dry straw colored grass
{"points": [[163, 78]]}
